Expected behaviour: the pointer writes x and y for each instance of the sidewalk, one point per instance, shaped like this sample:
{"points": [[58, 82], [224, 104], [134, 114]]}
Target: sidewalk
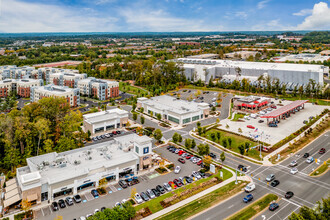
{"points": [[192, 198]]}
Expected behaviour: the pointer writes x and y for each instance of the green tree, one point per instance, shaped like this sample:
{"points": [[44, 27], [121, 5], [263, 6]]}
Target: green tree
{"points": [[320, 211], [241, 149], [135, 116], [229, 141], [159, 116], [187, 143], [222, 157], [200, 130], [179, 138], [158, 134], [203, 149], [247, 147], [142, 119], [175, 137], [133, 107], [198, 124], [213, 136], [193, 143], [225, 143], [218, 135]]}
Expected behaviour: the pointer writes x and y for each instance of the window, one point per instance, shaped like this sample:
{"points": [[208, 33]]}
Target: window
{"points": [[173, 119], [195, 118], [145, 150], [136, 149], [186, 120]]}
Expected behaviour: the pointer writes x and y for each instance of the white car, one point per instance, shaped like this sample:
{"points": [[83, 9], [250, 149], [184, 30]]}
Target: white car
{"points": [[294, 171], [177, 169], [138, 198], [167, 186], [117, 204], [250, 187], [82, 218], [310, 160], [196, 175], [96, 211], [293, 163], [123, 201], [89, 215]]}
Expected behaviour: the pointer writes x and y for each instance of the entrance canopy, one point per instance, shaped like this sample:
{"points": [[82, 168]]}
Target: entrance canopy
{"points": [[284, 109], [12, 200]]}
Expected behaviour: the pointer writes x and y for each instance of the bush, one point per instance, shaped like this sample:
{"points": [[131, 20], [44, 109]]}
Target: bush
{"points": [[25, 215], [161, 170], [101, 190], [170, 166]]}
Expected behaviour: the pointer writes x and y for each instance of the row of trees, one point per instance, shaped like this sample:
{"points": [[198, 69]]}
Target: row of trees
{"points": [[40, 127], [126, 212]]}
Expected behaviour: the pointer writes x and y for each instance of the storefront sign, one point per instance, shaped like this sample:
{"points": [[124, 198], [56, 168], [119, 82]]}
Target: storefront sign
{"points": [[212, 168]]}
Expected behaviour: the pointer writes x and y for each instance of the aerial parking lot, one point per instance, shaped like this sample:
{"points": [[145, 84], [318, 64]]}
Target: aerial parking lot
{"points": [[258, 127]]}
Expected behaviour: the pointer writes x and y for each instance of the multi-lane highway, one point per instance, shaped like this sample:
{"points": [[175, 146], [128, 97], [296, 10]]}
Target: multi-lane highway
{"points": [[307, 190]]}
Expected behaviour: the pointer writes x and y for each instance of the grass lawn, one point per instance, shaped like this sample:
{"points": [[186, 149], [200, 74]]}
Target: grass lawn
{"points": [[254, 208], [204, 202], [238, 116], [131, 89], [154, 204], [321, 169], [236, 141]]}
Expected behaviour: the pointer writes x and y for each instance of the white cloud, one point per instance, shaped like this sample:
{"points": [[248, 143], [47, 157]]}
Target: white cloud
{"points": [[303, 12], [147, 19], [19, 16], [102, 2], [262, 4], [318, 20], [241, 14]]}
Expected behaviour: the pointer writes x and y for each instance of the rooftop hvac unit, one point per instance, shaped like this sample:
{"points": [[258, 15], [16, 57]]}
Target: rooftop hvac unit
{"points": [[77, 162], [62, 165]]}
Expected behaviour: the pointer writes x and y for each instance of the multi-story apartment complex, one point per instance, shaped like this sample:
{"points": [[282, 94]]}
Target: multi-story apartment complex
{"points": [[66, 79], [101, 89], [14, 72], [22, 87], [71, 95]]}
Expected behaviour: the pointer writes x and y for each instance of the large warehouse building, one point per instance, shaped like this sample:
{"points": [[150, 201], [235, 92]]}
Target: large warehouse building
{"points": [[290, 74]]}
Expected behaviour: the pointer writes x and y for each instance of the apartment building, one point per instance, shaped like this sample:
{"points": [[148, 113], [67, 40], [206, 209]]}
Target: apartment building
{"points": [[14, 72], [101, 89], [22, 87], [66, 79], [71, 95]]}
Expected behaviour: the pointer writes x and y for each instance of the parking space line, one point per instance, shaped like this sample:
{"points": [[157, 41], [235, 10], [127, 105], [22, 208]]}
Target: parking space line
{"points": [[278, 211], [43, 214], [291, 212]]}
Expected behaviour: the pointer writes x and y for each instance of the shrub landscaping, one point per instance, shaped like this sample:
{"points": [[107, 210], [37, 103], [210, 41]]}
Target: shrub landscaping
{"points": [[161, 170], [321, 169]]}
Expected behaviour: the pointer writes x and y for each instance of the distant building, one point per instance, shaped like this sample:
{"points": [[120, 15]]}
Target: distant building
{"points": [[190, 43], [174, 110], [105, 120], [241, 54], [325, 53], [101, 89], [250, 103], [66, 79], [71, 95], [205, 56], [303, 57]]}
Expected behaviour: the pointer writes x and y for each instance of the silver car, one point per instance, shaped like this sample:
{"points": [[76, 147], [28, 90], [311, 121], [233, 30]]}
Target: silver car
{"points": [[270, 177], [167, 186], [138, 198], [293, 163], [177, 169], [151, 194]]}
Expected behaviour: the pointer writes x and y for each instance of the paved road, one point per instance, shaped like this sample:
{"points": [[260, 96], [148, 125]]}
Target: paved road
{"points": [[307, 189], [147, 182]]}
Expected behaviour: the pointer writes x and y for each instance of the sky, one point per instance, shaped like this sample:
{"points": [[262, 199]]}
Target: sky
{"points": [[21, 16]]}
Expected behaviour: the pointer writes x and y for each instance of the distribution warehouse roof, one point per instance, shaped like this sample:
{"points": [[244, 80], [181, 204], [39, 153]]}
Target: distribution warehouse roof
{"points": [[284, 109]]}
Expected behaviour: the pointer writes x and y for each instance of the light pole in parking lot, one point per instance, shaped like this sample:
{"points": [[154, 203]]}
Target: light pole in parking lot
{"points": [[236, 177]]}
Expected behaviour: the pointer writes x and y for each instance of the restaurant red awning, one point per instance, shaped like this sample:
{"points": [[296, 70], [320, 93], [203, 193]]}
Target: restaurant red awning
{"points": [[254, 106], [243, 104], [249, 106], [256, 102]]}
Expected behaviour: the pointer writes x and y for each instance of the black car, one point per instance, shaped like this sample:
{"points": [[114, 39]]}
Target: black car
{"points": [[306, 155], [54, 206], [261, 121], [169, 147], [118, 132], [69, 201], [102, 209], [144, 196], [156, 192], [242, 168], [274, 183], [273, 206], [212, 155], [61, 203], [177, 182], [202, 174], [289, 194], [188, 179], [95, 193], [77, 198], [173, 149], [103, 136], [123, 184], [160, 189]]}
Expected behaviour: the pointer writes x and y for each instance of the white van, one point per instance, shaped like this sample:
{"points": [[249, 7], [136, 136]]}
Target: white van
{"points": [[250, 187], [253, 116], [246, 117]]}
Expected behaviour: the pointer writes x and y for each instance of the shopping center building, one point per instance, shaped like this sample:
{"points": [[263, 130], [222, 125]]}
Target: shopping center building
{"points": [[49, 176], [174, 110]]}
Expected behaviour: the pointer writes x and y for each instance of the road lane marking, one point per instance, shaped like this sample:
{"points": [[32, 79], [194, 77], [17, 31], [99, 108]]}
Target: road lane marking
{"points": [[278, 211], [291, 202], [291, 212]]}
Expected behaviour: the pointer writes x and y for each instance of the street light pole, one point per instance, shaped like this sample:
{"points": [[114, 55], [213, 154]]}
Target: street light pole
{"points": [[236, 177]]}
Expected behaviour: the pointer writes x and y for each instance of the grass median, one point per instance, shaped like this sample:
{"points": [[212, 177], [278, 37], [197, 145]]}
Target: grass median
{"points": [[321, 169], [254, 208], [154, 204], [204, 202]]}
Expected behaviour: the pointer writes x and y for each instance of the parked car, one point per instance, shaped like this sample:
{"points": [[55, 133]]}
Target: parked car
{"points": [[177, 182], [169, 147], [181, 160], [194, 159], [250, 187], [160, 189], [177, 169], [181, 152], [167, 187], [306, 155], [95, 193], [188, 156], [54, 206], [199, 162], [196, 175], [150, 194], [173, 186], [273, 206], [310, 160], [61, 203], [212, 155], [138, 198], [293, 163], [294, 171], [322, 151], [289, 194], [270, 177], [123, 184], [77, 198], [188, 179], [248, 198], [102, 209], [89, 215], [82, 218], [261, 121], [250, 126], [177, 151], [156, 192], [144, 196], [97, 210], [69, 201], [274, 183]]}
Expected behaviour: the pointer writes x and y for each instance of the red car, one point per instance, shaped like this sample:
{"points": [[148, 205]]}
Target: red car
{"points": [[172, 185], [188, 156], [250, 126], [181, 160], [199, 162], [181, 152], [322, 151]]}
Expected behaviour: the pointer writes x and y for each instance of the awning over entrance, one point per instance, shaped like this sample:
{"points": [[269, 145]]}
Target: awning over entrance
{"points": [[10, 182], [11, 193], [11, 187], [32, 197], [12, 200]]}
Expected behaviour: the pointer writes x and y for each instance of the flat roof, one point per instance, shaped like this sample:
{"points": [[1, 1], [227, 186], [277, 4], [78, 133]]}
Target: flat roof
{"points": [[173, 104], [284, 109], [105, 115]]}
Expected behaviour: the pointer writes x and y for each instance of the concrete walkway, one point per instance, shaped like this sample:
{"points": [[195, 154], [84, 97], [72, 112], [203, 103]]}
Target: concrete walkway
{"points": [[194, 197]]}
